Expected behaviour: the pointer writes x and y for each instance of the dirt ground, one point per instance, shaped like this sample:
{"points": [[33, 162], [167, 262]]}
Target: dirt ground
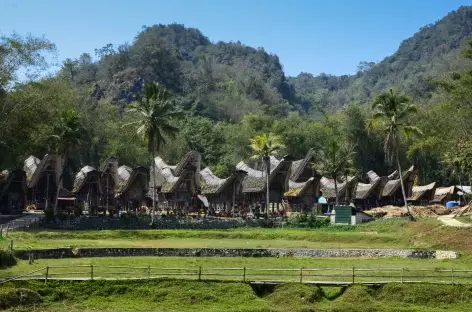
{"points": [[417, 211]]}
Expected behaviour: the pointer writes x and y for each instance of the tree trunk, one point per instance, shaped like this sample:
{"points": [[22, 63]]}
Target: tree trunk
{"points": [[61, 175], [462, 189], [267, 161], [410, 216], [153, 165], [336, 191]]}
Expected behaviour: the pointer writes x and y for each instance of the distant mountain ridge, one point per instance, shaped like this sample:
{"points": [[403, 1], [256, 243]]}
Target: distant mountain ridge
{"points": [[430, 52], [225, 81]]}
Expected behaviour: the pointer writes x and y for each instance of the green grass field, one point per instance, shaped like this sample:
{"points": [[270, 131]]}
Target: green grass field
{"points": [[193, 295], [175, 295], [395, 233]]}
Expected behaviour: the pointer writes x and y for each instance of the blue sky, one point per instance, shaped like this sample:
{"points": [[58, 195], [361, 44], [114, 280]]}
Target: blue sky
{"points": [[315, 36]]}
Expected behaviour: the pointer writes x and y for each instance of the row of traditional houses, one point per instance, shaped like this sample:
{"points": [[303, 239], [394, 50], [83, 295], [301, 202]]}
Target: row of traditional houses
{"points": [[293, 186]]}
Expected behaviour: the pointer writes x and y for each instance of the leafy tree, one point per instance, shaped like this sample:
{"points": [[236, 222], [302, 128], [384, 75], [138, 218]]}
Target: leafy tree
{"points": [[156, 110], [335, 160], [68, 134], [391, 113], [27, 53], [263, 146]]}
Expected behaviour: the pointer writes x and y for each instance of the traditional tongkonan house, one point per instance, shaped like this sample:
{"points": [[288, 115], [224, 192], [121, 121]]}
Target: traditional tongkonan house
{"points": [[132, 187], [87, 189], [367, 194], [303, 185], [254, 184], [222, 195], [422, 195], [109, 182], [301, 196], [42, 178], [392, 192], [444, 194], [177, 186], [12, 192], [346, 190]]}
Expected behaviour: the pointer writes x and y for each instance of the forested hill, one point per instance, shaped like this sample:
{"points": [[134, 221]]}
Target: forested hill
{"points": [[225, 81], [222, 81], [432, 51]]}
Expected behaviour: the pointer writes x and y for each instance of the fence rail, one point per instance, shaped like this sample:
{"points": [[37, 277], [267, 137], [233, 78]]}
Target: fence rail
{"points": [[328, 276]]}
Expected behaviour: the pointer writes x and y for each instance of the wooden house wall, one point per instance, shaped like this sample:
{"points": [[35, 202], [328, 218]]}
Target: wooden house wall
{"points": [[13, 199]]}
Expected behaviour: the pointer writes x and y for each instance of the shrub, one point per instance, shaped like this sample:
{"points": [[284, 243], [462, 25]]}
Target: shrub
{"points": [[10, 298], [7, 259]]}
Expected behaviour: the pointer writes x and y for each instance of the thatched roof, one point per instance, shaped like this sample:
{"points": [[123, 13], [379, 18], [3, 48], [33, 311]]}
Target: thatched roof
{"points": [[126, 177], [255, 181], [40, 167], [365, 190], [124, 173], [109, 160], [299, 165], [298, 188], [441, 192], [166, 178], [393, 185], [419, 191], [191, 161], [372, 176], [30, 166], [81, 177], [328, 189], [211, 184]]}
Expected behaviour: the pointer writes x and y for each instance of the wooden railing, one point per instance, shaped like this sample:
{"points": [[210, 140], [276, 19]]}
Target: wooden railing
{"points": [[322, 276]]}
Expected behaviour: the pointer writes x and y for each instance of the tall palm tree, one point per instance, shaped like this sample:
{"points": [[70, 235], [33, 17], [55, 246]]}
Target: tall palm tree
{"points": [[335, 161], [391, 113], [155, 111], [263, 146], [68, 134]]}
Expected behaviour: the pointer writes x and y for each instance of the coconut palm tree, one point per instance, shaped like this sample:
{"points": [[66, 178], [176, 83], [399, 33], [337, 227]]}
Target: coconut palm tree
{"points": [[155, 111], [263, 146], [335, 161], [391, 114], [68, 134]]}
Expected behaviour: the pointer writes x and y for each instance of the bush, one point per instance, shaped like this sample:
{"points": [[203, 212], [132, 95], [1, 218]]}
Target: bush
{"points": [[10, 298], [7, 259]]}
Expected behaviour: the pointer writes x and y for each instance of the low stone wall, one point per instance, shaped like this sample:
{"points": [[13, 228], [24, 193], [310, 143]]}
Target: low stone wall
{"points": [[136, 222], [233, 252], [50, 253]]}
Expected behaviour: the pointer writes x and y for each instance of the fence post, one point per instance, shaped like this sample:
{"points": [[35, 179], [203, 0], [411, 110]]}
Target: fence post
{"points": [[452, 276], [149, 272], [11, 244], [47, 274], [353, 274], [244, 274], [91, 272], [402, 276], [301, 275], [200, 273]]}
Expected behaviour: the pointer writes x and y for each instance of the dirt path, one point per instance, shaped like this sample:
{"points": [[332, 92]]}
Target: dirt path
{"points": [[450, 221]]}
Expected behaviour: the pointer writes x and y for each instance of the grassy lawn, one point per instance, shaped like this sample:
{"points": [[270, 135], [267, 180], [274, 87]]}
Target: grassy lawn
{"points": [[394, 233], [175, 295], [253, 265]]}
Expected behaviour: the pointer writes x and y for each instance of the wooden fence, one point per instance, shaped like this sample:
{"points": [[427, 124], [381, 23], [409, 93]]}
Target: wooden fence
{"points": [[320, 276]]}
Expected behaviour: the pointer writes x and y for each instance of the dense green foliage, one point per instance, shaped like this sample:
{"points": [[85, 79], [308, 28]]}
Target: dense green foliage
{"points": [[230, 93]]}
